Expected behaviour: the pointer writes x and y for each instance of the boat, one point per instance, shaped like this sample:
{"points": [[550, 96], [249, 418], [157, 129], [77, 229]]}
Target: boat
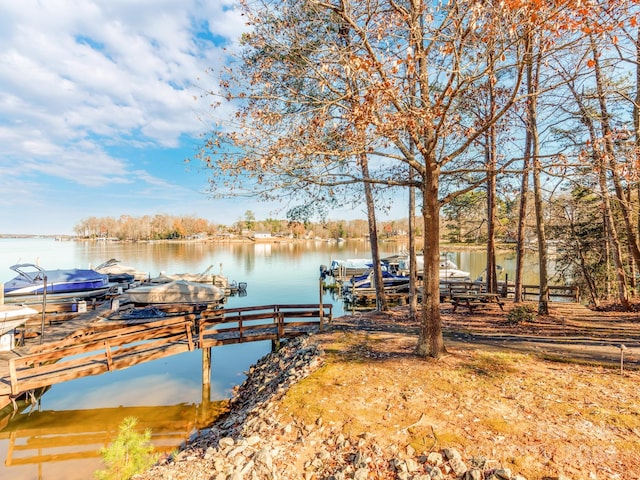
{"points": [[448, 269], [176, 291], [389, 279], [218, 280], [12, 316], [118, 273], [347, 268], [74, 282]]}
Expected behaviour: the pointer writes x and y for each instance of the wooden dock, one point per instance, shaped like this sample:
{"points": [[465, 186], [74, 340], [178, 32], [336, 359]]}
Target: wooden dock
{"points": [[450, 288], [102, 340]]}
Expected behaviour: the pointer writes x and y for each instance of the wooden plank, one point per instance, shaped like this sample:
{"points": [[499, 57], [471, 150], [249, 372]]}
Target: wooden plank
{"points": [[58, 366], [98, 343], [87, 336]]}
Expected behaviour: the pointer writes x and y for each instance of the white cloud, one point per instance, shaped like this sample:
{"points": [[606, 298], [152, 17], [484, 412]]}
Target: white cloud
{"points": [[82, 81]]}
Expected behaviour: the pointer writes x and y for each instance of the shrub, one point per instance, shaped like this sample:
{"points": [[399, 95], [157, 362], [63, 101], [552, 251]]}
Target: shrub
{"points": [[129, 454], [521, 314]]}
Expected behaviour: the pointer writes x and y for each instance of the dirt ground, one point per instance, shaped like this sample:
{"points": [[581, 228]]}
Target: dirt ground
{"points": [[547, 398]]}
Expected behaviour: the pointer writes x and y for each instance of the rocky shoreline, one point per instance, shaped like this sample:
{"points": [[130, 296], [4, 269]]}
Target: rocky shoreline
{"points": [[253, 442]]}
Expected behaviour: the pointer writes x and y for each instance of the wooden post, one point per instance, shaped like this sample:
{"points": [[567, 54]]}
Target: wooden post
{"points": [[14, 377], [107, 351], [44, 308], [206, 375], [321, 305], [280, 317], [189, 335]]}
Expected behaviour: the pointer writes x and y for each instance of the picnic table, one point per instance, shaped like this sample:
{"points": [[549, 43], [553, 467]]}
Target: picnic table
{"points": [[475, 300]]}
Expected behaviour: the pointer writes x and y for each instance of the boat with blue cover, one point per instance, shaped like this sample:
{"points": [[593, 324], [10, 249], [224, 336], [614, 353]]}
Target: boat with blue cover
{"points": [[389, 279], [32, 281]]}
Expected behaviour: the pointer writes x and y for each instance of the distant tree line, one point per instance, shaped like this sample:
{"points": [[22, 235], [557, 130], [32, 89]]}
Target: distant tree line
{"points": [[171, 227], [148, 227]]}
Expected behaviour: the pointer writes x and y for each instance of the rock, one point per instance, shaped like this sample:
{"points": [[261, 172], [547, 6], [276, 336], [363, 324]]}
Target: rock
{"points": [[451, 453], [412, 465], [458, 466], [264, 457], [503, 473], [434, 472], [435, 458], [473, 474], [226, 442], [361, 474]]}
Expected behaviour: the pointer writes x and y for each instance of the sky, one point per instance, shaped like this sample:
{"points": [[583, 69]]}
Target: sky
{"points": [[100, 105]]}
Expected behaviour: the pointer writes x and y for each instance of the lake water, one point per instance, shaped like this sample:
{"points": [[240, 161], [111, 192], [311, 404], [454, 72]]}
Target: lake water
{"points": [[59, 437]]}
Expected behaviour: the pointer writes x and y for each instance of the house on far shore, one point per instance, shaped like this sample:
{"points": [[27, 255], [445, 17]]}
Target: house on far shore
{"points": [[258, 236]]}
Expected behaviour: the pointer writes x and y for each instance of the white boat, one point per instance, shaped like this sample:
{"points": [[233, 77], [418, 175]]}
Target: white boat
{"points": [[218, 280], [176, 291], [448, 269], [117, 272], [12, 316], [348, 267]]}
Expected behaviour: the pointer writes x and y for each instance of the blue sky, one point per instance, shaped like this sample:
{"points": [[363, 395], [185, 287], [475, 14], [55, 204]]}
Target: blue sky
{"points": [[100, 106]]}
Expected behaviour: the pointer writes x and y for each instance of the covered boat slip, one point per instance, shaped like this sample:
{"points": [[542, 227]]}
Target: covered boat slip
{"points": [[100, 341]]}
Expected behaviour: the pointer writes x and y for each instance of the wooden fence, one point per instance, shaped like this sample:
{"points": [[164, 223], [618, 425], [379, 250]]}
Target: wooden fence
{"points": [[556, 292]]}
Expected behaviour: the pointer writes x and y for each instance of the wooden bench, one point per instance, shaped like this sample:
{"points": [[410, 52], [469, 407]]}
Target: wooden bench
{"points": [[476, 300]]}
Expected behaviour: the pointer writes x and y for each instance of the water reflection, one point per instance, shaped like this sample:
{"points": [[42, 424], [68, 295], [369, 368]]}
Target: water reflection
{"points": [[34, 445]]}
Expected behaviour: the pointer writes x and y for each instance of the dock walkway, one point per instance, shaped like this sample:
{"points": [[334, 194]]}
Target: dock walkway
{"points": [[99, 341]]}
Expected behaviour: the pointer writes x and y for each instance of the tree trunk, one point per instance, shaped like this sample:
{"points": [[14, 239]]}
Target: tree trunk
{"points": [[381, 300], [524, 185], [430, 340], [607, 133], [614, 242], [636, 126], [492, 278], [413, 264], [521, 235], [543, 300]]}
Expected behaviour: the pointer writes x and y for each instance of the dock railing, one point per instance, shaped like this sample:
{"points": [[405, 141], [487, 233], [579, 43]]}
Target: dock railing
{"points": [[95, 354], [246, 324], [94, 350]]}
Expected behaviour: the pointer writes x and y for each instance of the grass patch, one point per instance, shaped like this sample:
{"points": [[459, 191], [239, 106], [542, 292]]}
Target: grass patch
{"points": [[497, 425], [493, 365], [530, 415]]}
